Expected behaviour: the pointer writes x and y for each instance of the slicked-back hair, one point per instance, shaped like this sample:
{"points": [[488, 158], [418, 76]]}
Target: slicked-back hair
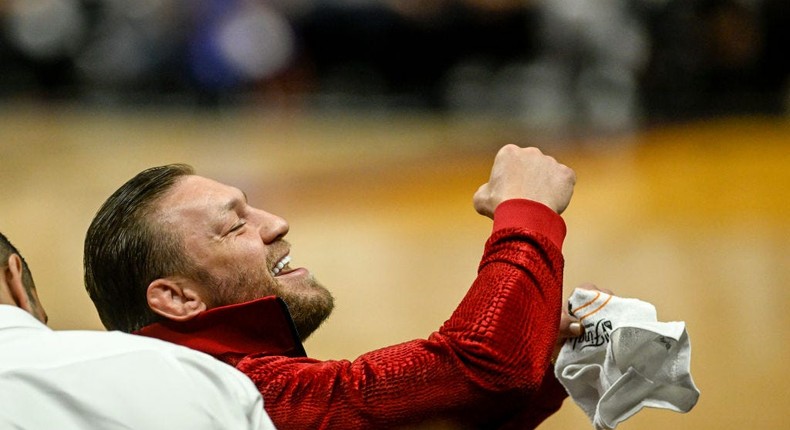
{"points": [[126, 249], [6, 249]]}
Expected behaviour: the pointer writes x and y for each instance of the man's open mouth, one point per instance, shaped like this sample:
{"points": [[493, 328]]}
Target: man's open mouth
{"points": [[280, 265]]}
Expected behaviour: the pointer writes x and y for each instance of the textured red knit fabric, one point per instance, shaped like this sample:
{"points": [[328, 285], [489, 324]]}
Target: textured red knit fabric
{"points": [[486, 367]]}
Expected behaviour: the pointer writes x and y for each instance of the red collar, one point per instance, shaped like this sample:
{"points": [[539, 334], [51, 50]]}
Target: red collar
{"points": [[229, 333]]}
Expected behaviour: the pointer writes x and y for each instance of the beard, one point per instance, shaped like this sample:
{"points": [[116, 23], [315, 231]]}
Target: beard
{"points": [[309, 302]]}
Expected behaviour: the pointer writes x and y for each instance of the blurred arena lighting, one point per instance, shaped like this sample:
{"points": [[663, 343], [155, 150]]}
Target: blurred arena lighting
{"points": [[129, 40], [256, 41], [45, 29], [238, 42]]}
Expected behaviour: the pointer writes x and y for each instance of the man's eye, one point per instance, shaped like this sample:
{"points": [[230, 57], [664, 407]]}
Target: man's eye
{"points": [[238, 226]]}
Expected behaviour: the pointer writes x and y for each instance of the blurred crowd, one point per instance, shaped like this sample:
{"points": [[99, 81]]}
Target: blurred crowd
{"points": [[606, 64]]}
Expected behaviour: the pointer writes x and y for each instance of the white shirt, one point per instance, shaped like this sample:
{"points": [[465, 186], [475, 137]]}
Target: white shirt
{"points": [[81, 380]]}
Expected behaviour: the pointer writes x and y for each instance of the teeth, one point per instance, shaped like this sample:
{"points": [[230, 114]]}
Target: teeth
{"points": [[280, 264]]}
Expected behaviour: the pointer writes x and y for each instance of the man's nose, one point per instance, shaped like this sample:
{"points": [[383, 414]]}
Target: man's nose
{"points": [[272, 227]]}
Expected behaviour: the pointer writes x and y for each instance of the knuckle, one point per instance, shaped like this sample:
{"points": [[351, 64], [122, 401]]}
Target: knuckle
{"points": [[532, 151], [509, 148], [569, 173]]}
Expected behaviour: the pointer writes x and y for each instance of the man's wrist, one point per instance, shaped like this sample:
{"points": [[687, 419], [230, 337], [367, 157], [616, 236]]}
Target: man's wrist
{"points": [[524, 213]]}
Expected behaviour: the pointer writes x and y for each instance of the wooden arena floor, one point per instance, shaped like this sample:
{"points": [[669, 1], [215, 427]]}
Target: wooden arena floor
{"points": [[692, 218]]}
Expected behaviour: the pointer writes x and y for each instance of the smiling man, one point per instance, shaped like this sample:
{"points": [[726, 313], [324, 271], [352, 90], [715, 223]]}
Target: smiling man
{"points": [[237, 255], [183, 258]]}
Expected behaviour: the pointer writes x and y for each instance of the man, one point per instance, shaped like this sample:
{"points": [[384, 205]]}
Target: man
{"points": [[78, 380], [186, 259]]}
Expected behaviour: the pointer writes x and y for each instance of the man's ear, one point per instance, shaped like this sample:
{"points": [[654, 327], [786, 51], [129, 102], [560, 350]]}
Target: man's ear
{"points": [[13, 278], [174, 299]]}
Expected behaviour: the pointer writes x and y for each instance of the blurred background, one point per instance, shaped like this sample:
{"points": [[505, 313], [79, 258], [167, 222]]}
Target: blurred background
{"points": [[369, 124]]}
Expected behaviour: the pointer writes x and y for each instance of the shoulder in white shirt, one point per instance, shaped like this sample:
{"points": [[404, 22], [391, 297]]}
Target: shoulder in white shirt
{"points": [[110, 380]]}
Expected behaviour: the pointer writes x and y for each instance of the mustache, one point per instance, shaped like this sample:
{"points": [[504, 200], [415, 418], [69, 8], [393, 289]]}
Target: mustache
{"points": [[277, 250]]}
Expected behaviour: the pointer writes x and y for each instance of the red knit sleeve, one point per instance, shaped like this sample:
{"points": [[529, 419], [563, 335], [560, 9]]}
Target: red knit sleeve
{"points": [[484, 367]]}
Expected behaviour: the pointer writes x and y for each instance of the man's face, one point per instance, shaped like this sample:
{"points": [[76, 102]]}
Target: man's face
{"points": [[240, 251]]}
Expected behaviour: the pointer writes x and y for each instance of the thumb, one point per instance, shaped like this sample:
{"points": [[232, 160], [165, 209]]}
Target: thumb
{"points": [[482, 203], [569, 326]]}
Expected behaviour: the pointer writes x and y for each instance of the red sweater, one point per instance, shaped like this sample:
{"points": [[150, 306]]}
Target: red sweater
{"points": [[486, 367]]}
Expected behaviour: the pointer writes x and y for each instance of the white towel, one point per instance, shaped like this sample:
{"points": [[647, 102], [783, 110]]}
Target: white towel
{"points": [[625, 360]]}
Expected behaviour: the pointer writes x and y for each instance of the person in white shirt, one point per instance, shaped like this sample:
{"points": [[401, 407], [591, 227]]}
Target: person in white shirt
{"points": [[81, 380]]}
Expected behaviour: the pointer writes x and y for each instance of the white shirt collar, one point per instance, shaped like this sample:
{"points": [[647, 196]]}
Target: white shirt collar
{"points": [[14, 317]]}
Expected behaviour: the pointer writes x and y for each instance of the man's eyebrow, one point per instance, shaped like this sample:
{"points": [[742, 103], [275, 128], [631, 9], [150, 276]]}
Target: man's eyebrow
{"points": [[235, 202]]}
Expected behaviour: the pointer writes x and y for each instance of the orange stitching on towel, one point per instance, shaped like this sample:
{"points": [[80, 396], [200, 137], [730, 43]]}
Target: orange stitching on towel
{"points": [[596, 309], [598, 294]]}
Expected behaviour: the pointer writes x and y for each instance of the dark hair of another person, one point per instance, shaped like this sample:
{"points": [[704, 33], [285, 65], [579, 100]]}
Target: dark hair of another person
{"points": [[6, 249], [125, 250]]}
